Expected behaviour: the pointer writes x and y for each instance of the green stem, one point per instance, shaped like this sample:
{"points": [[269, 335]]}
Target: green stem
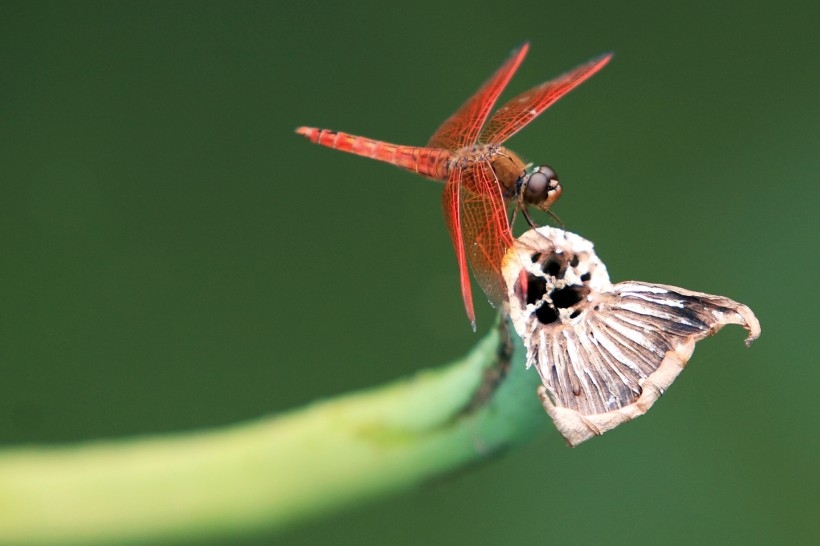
{"points": [[274, 472]]}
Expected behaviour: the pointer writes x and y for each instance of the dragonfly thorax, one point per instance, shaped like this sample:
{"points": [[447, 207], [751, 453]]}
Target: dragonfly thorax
{"points": [[507, 166], [508, 169]]}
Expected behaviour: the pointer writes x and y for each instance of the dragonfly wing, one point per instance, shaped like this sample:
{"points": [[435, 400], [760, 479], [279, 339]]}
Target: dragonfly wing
{"points": [[524, 108], [450, 202], [462, 128], [485, 228]]}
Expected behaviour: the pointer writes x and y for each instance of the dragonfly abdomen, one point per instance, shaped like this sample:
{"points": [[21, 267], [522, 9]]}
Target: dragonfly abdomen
{"points": [[431, 162]]}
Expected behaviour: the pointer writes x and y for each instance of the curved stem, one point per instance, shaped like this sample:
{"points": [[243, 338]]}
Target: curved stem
{"points": [[274, 472]]}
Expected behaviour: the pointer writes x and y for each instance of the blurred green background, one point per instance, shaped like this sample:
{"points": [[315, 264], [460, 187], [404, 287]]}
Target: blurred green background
{"points": [[174, 257]]}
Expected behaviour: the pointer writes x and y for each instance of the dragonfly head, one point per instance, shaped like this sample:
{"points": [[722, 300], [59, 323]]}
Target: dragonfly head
{"points": [[539, 187]]}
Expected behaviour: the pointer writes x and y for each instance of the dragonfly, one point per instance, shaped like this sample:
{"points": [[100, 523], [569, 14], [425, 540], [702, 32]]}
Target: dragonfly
{"points": [[482, 178]]}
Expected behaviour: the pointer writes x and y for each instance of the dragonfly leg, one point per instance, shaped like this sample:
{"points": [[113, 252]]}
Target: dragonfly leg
{"points": [[530, 222], [555, 217]]}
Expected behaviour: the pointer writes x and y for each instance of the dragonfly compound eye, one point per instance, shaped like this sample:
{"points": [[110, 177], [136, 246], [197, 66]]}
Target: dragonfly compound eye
{"points": [[541, 187]]}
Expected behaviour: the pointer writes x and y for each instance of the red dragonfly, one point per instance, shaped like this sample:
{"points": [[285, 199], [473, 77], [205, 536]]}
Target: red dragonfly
{"points": [[481, 176]]}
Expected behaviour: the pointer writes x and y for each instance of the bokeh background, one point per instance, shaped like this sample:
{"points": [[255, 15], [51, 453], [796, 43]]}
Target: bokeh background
{"points": [[174, 257]]}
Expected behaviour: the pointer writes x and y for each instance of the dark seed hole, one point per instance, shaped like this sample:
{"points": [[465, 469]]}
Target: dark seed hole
{"points": [[553, 267], [536, 288], [567, 297], [535, 257], [575, 313], [574, 261], [585, 277], [546, 314]]}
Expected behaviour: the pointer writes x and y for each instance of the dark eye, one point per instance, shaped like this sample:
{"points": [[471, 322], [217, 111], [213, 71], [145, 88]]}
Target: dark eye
{"points": [[536, 186], [548, 172], [540, 183]]}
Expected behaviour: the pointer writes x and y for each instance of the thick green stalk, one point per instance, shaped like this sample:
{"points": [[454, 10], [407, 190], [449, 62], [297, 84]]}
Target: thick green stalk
{"points": [[274, 472]]}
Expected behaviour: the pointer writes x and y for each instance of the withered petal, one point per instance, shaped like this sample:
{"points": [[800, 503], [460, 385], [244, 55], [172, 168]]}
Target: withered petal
{"points": [[605, 359]]}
